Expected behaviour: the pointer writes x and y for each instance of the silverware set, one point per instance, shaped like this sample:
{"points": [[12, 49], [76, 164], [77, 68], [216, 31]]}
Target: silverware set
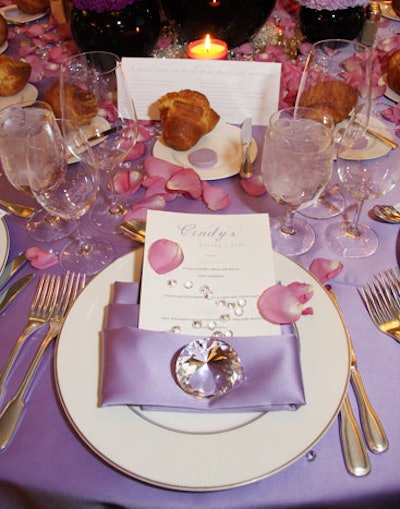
{"points": [[52, 300]]}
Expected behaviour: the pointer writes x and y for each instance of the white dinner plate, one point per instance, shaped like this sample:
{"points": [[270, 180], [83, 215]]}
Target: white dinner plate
{"points": [[3, 47], [388, 11], [4, 244], [392, 95], [240, 448], [224, 139], [27, 96], [374, 148], [13, 15]]}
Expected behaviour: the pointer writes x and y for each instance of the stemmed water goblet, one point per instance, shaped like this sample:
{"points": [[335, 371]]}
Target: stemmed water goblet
{"points": [[337, 80], [296, 166], [15, 123], [113, 130], [63, 178]]}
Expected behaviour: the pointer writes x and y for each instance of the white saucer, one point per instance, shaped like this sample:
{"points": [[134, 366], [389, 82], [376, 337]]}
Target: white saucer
{"points": [[225, 140], [14, 16], [374, 148], [388, 11], [27, 96], [392, 95], [3, 47]]}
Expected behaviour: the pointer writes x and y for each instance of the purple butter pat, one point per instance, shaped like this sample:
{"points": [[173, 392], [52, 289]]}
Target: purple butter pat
{"points": [[203, 158]]}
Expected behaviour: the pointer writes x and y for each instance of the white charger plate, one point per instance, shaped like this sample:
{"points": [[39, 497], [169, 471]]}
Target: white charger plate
{"points": [[200, 452], [388, 11], [27, 96], [4, 244], [224, 139], [13, 15]]}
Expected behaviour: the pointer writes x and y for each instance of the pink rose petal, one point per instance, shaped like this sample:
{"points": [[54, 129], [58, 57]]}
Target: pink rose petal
{"points": [[186, 181], [215, 197], [165, 255], [137, 151], [254, 186], [324, 269], [127, 182], [40, 259], [139, 209], [155, 167]]}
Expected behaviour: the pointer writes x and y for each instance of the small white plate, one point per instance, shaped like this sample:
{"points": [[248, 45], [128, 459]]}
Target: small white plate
{"points": [[374, 148], [27, 96], [388, 11], [224, 139], [392, 95], [14, 16], [3, 47], [4, 244]]}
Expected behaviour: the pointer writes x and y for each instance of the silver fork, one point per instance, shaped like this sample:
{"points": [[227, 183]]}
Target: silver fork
{"points": [[39, 314], [65, 295], [382, 300]]}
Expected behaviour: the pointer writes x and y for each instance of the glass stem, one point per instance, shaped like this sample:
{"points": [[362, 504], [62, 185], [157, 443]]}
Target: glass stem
{"points": [[114, 207], [287, 223], [84, 246], [353, 230]]}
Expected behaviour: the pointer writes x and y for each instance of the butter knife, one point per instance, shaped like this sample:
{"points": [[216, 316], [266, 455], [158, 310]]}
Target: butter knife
{"points": [[374, 433], [8, 296], [11, 268], [246, 169]]}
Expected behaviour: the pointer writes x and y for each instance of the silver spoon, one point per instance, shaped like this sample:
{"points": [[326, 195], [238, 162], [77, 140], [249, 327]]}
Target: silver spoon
{"points": [[18, 210], [388, 213]]}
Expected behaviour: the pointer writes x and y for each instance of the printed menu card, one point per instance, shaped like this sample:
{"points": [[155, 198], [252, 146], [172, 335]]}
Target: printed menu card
{"points": [[205, 272]]}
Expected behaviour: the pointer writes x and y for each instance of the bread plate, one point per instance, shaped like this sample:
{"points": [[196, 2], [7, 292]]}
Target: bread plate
{"points": [[27, 96], [3, 47], [388, 11], [15, 16], [224, 140]]}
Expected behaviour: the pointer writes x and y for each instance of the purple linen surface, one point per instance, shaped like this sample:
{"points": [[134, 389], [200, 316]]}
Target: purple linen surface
{"points": [[137, 366]]}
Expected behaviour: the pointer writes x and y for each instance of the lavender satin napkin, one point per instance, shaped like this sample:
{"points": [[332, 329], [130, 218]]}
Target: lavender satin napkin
{"points": [[137, 366]]}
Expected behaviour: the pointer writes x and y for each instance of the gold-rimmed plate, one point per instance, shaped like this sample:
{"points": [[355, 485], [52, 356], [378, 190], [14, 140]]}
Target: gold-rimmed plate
{"points": [[195, 452]]}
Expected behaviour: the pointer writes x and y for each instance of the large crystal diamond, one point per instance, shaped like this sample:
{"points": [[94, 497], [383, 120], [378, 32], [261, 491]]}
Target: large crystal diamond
{"points": [[208, 367]]}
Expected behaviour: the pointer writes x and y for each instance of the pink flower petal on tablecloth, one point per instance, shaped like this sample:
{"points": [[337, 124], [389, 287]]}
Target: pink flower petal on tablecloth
{"points": [[156, 167], [165, 255], [156, 186], [215, 197], [186, 181], [40, 259], [139, 209], [137, 151], [127, 182], [254, 186], [324, 269]]}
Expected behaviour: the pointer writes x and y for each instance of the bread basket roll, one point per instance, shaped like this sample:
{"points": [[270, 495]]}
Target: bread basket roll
{"points": [[14, 75], [393, 72], [3, 30], [33, 6]]}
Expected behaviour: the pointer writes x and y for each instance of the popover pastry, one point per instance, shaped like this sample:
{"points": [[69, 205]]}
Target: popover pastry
{"points": [[393, 72], [335, 98], [186, 116], [3, 30], [81, 105], [33, 6], [14, 75]]}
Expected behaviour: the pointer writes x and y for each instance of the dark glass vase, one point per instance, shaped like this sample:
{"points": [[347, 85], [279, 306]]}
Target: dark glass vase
{"points": [[233, 21], [340, 24], [129, 32]]}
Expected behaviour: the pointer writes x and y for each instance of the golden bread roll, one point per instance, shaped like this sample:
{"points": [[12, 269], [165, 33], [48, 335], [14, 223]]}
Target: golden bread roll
{"points": [[396, 6], [81, 105], [3, 30], [393, 72], [186, 116], [33, 6], [336, 98], [14, 75]]}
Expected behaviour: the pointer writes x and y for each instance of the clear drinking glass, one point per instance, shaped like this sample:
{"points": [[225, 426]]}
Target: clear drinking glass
{"points": [[113, 131], [296, 167], [15, 123], [337, 80], [63, 178]]}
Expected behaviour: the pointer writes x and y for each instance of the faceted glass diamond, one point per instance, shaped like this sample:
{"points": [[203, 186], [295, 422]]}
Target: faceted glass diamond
{"points": [[208, 368]]}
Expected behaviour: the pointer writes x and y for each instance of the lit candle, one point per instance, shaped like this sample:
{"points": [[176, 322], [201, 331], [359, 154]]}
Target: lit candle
{"points": [[208, 49]]}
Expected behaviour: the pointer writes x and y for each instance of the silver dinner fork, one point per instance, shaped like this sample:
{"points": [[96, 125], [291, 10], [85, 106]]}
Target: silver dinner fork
{"points": [[39, 314], [382, 300], [66, 293]]}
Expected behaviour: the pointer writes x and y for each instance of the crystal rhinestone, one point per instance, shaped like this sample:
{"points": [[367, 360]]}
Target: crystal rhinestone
{"points": [[207, 368], [188, 284], [196, 324], [241, 302], [239, 311], [204, 289], [211, 325], [176, 329], [225, 317], [172, 283], [228, 333]]}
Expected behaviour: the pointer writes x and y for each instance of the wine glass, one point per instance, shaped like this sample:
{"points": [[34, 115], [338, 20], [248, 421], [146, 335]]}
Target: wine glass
{"points": [[367, 170], [63, 178], [337, 80], [296, 166], [113, 129], [15, 123]]}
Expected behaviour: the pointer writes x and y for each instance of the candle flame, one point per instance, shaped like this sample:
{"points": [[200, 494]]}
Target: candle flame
{"points": [[207, 42]]}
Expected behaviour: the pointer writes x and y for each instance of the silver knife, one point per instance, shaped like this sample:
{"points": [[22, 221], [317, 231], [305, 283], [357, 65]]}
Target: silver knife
{"points": [[11, 268], [374, 433], [8, 296], [246, 169]]}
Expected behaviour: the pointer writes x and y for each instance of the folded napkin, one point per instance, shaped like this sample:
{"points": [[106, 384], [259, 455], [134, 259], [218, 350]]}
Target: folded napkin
{"points": [[138, 366]]}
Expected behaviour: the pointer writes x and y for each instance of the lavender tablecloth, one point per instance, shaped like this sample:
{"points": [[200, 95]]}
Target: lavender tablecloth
{"points": [[48, 466]]}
